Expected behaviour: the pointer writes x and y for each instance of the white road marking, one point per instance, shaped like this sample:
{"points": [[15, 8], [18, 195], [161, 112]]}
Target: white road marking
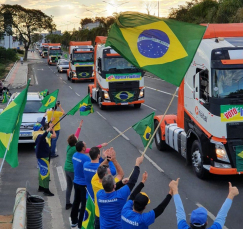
{"points": [[123, 135], [70, 87], [100, 115], [77, 94], [60, 78], [160, 91], [152, 162], [62, 178], [64, 82], [41, 69], [36, 81], [149, 106], [211, 215]]}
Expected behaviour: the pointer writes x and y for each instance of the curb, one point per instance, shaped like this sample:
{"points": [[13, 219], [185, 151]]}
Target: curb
{"points": [[6, 78]]}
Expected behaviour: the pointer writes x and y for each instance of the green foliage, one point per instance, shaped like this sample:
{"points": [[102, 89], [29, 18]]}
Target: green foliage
{"points": [[20, 51], [7, 55], [209, 11]]}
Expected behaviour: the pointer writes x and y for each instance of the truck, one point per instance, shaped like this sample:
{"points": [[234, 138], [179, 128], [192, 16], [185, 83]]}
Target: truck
{"points": [[116, 81], [44, 50], [81, 61], [54, 53], [209, 122]]}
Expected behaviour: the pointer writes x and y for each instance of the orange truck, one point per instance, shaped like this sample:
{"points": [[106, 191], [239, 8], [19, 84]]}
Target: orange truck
{"points": [[44, 50], [54, 53], [116, 81], [208, 128], [81, 61]]}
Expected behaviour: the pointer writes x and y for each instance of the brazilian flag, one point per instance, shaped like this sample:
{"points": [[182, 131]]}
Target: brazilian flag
{"points": [[89, 215], [239, 158], [44, 93], [44, 172], [145, 128], [49, 101], [85, 107], [5, 100], [164, 47]]}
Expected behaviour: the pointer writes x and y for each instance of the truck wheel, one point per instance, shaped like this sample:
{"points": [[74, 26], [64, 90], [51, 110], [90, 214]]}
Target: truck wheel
{"points": [[197, 160], [102, 107], [160, 144], [137, 106]]}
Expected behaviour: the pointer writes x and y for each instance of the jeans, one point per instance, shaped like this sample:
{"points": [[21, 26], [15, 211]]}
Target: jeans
{"points": [[97, 222], [69, 178], [54, 143], [79, 197]]}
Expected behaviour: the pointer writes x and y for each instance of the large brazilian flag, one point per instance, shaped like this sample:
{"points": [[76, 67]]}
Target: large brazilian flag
{"points": [[49, 101], [89, 215], [164, 47]]}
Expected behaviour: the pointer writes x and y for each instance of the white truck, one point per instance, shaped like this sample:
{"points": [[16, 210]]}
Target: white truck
{"points": [[116, 81]]}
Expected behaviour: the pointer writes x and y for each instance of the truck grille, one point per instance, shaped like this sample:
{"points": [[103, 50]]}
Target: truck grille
{"points": [[84, 72]]}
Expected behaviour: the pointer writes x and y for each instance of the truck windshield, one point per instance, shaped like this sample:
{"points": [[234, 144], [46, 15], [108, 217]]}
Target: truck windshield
{"points": [[83, 57], [227, 83], [44, 49], [55, 52], [117, 63]]}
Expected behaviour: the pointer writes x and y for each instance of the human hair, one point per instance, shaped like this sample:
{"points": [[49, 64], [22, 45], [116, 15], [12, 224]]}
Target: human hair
{"points": [[55, 107], [79, 146], [137, 207], [72, 140], [108, 183], [102, 171], [94, 152]]}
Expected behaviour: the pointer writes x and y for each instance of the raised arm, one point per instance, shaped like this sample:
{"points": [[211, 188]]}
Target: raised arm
{"points": [[139, 186], [78, 129], [119, 170]]}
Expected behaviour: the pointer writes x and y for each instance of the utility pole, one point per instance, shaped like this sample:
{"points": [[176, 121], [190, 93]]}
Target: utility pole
{"points": [[158, 8]]}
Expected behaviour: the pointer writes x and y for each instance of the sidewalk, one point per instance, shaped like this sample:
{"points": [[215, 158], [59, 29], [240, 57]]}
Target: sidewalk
{"points": [[17, 77]]}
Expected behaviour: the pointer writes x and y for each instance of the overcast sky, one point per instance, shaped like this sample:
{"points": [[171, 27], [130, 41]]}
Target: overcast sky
{"points": [[67, 13]]}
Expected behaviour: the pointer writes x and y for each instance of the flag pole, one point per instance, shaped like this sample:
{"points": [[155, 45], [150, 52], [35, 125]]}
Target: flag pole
{"points": [[150, 140], [6, 152], [60, 119], [119, 135]]}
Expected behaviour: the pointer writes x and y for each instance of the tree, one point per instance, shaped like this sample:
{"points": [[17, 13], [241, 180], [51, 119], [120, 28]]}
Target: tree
{"points": [[149, 6], [86, 21], [26, 22], [36, 37]]}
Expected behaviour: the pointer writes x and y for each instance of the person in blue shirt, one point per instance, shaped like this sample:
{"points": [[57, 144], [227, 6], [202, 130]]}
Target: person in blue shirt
{"points": [[199, 215], [132, 215], [111, 202], [79, 158], [90, 167]]}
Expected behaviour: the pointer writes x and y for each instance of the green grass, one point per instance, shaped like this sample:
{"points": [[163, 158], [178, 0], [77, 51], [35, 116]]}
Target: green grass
{"points": [[20, 55], [3, 71]]}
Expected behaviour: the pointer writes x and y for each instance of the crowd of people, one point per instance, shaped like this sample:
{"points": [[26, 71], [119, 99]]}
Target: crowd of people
{"points": [[99, 175]]}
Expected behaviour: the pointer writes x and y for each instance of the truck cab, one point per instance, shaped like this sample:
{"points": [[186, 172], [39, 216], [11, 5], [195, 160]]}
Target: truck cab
{"points": [[44, 50], [54, 53], [81, 61], [209, 122], [117, 82]]}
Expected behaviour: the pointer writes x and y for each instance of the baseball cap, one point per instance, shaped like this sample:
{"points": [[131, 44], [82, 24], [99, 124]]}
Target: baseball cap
{"points": [[142, 199], [39, 119], [199, 216]]}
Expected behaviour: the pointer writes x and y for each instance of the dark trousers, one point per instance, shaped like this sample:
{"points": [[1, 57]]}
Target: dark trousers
{"points": [[97, 222], [79, 197], [69, 178]]}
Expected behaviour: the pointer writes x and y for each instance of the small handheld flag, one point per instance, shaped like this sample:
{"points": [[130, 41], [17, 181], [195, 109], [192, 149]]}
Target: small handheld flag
{"points": [[5, 100], [145, 128], [49, 101], [84, 106], [44, 93]]}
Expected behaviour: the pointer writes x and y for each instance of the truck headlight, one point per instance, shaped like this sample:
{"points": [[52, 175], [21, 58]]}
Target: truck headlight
{"points": [[74, 74], [106, 95], [141, 93], [220, 151], [50, 61]]}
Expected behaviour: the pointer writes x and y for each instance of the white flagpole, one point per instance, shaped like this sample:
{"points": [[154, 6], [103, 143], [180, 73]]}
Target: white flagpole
{"points": [[6, 152]]}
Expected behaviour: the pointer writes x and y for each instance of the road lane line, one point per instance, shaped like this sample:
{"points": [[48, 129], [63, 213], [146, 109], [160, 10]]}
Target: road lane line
{"points": [[77, 94], [211, 215], [70, 87], [160, 91], [61, 177], [60, 78], [100, 115], [123, 135], [64, 82], [149, 106], [36, 81], [152, 162]]}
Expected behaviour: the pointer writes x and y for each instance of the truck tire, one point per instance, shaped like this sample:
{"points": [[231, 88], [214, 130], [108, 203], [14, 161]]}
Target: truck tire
{"points": [[137, 106], [197, 160], [92, 100], [102, 107], [160, 144]]}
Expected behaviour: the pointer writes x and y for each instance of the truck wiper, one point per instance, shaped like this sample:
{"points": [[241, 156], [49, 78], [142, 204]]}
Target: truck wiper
{"points": [[114, 70]]}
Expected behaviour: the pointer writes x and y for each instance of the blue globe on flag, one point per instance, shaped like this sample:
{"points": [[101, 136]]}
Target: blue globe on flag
{"points": [[85, 108]]}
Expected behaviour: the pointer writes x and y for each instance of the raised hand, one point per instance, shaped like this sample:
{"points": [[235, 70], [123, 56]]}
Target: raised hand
{"points": [[233, 191], [145, 177], [139, 161]]}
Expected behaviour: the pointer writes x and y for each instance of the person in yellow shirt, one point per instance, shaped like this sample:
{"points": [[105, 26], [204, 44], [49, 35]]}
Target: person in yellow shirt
{"points": [[102, 171], [55, 116]]}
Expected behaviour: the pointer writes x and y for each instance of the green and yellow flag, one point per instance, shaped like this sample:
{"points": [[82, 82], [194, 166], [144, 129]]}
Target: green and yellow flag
{"points": [[164, 47], [10, 121], [145, 128], [44, 93], [5, 100], [239, 158], [89, 215], [49, 101], [84, 106]]}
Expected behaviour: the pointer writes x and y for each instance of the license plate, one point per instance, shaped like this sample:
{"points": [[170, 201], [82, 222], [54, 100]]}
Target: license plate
{"points": [[124, 103], [25, 134]]}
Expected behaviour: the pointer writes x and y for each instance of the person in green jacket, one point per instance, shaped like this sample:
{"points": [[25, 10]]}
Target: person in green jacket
{"points": [[68, 167]]}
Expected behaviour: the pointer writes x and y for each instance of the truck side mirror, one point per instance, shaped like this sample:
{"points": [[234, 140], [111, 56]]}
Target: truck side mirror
{"points": [[70, 56], [99, 64]]}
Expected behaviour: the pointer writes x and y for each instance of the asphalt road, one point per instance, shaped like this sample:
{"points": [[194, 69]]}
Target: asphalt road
{"points": [[102, 126]]}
